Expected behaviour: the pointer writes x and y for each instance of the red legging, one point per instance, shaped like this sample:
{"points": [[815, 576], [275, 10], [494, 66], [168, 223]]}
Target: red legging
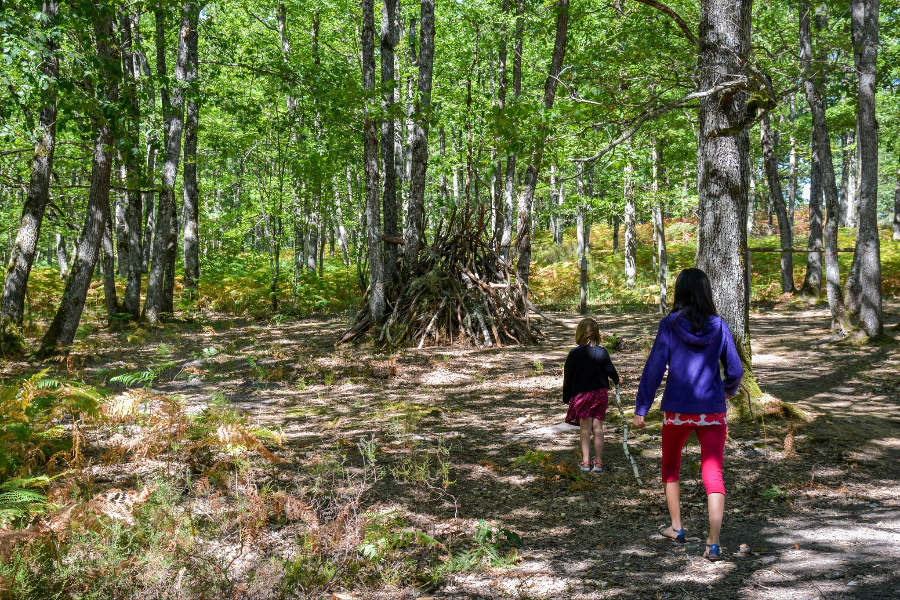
{"points": [[712, 450]]}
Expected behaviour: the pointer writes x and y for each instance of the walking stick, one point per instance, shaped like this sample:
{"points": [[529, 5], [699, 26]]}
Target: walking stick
{"points": [[634, 467]]}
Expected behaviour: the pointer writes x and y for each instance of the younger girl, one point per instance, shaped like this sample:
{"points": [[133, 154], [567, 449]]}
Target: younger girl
{"points": [[692, 341], [585, 383]]}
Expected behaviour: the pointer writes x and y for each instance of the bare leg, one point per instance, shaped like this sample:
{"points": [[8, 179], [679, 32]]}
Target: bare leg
{"points": [[716, 510], [673, 500], [586, 440], [598, 440]]}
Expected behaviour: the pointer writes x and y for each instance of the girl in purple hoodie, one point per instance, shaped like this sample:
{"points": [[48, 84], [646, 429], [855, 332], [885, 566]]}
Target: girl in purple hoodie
{"points": [[691, 342]]}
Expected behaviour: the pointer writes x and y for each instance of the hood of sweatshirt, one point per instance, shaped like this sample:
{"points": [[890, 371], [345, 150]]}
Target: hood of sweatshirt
{"points": [[682, 327]]}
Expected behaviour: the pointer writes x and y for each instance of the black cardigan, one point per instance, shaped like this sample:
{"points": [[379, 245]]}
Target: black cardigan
{"points": [[588, 368]]}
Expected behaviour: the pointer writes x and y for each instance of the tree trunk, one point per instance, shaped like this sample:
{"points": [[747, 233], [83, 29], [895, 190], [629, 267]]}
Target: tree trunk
{"points": [[509, 187], [554, 208], [864, 283], [109, 273], [723, 164], [340, 228], [62, 257], [312, 235], [62, 330], [168, 298], [389, 15], [581, 245], [752, 229], [121, 224], [776, 199], [445, 192], [853, 182], [815, 98], [845, 180], [415, 227], [526, 196], [370, 159], [12, 304], [812, 283], [133, 176], [630, 213], [164, 243], [792, 167], [191, 191], [896, 232], [616, 223], [660, 226], [142, 69]]}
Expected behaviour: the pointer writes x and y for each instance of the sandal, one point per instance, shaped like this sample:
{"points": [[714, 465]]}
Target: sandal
{"points": [[713, 552], [679, 534], [598, 467], [585, 466]]}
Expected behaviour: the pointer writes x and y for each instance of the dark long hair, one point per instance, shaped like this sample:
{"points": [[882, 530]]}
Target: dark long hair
{"points": [[693, 297]]}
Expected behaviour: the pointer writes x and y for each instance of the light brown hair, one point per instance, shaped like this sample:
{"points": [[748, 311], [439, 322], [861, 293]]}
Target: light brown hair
{"points": [[587, 333]]}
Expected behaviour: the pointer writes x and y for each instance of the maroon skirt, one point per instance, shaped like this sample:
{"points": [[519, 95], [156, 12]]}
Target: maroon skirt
{"points": [[588, 405]]}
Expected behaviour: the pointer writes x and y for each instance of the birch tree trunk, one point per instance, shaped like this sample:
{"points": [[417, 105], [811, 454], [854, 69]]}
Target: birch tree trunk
{"points": [[370, 159], [723, 164], [164, 242], [415, 227], [191, 191], [64, 325], [776, 199], [864, 289], [526, 196], [12, 304]]}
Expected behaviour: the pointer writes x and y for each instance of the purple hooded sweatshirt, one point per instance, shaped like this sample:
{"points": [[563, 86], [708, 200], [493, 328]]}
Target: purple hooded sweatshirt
{"points": [[694, 385]]}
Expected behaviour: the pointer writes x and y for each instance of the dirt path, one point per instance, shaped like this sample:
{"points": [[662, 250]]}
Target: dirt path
{"points": [[824, 523]]}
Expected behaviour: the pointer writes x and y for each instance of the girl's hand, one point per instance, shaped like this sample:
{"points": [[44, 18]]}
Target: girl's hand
{"points": [[639, 422]]}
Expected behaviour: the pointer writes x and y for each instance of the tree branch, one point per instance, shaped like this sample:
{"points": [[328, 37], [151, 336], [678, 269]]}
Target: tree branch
{"points": [[652, 114], [682, 24]]}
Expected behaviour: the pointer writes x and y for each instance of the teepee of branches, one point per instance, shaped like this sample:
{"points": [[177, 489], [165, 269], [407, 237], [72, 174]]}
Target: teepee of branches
{"points": [[462, 289]]}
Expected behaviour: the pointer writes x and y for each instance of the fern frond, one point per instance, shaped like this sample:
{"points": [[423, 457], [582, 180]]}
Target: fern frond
{"points": [[18, 497]]}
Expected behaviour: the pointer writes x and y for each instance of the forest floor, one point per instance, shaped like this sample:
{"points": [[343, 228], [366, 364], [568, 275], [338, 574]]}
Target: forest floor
{"points": [[821, 521]]}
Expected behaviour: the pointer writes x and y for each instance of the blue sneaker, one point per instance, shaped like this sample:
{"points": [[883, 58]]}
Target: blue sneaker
{"points": [[713, 552], [679, 534]]}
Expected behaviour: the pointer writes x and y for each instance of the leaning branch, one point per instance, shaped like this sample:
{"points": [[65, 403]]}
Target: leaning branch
{"points": [[652, 114], [682, 24]]}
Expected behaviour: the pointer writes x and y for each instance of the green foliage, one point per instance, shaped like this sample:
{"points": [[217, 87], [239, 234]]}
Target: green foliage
{"points": [[533, 458], [387, 533], [146, 377], [21, 498], [425, 465], [30, 413], [772, 493], [491, 546]]}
